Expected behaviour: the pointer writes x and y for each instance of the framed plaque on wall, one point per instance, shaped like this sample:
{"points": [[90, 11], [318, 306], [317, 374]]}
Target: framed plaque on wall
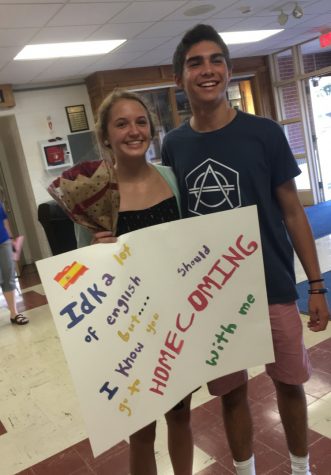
{"points": [[77, 118]]}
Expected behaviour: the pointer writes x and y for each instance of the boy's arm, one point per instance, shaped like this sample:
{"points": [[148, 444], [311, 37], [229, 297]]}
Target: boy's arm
{"points": [[299, 230]]}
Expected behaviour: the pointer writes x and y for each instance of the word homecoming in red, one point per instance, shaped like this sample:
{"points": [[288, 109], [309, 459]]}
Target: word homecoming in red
{"points": [[220, 272]]}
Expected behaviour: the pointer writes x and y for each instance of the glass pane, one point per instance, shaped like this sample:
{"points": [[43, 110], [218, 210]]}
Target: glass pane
{"points": [[320, 95], [234, 95], [295, 137], [247, 96], [158, 100], [183, 105], [289, 102], [284, 65], [313, 57], [159, 103], [302, 181]]}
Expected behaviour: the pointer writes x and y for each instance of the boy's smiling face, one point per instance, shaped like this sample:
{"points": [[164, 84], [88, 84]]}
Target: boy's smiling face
{"points": [[205, 74]]}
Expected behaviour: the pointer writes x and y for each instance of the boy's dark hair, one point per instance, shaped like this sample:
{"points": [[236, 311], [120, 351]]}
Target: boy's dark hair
{"points": [[198, 33]]}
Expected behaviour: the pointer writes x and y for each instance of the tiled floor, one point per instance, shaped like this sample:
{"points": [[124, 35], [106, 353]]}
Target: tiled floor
{"points": [[41, 428]]}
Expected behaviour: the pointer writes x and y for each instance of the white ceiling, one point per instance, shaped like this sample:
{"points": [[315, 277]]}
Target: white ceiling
{"points": [[153, 29]]}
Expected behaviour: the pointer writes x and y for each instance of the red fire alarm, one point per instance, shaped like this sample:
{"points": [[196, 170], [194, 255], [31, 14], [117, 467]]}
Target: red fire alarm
{"points": [[325, 40], [54, 155]]}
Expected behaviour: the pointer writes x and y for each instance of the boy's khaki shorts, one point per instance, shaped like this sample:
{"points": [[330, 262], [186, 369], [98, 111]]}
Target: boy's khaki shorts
{"points": [[291, 365]]}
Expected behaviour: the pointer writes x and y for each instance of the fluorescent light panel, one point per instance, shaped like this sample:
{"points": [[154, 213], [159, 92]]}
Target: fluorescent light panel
{"points": [[240, 37], [67, 50]]}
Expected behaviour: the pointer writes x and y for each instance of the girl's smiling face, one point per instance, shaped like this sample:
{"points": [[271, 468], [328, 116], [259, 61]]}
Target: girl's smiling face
{"points": [[129, 130]]}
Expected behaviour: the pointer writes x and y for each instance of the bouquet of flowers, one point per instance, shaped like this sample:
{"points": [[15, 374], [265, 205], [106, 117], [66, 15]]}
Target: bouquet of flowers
{"points": [[88, 193]]}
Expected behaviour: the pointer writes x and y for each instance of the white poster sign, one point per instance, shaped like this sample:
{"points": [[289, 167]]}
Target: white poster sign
{"points": [[147, 320]]}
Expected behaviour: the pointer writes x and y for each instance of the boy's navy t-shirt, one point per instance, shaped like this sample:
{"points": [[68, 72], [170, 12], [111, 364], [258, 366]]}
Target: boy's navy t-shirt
{"points": [[238, 165]]}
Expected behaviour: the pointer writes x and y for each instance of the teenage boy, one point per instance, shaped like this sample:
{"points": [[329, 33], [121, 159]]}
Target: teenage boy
{"points": [[224, 159]]}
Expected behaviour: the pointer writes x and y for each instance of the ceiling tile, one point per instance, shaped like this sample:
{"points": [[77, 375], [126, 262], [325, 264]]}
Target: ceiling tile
{"points": [[316, 7], [65, 68], [147, 11], [257, 8], [143, 45], [20, 2], [160, 55], [112, 31], [9, 52], [224, 24], [16, 36], [86, 14], [143, 61], [24, 16], [19, 72], [179, 14], [61, 34], [100, 1], [167, 29], [256, 23], [109, 63]]}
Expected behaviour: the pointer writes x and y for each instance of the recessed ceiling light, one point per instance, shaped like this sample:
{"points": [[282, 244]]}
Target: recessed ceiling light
{"points": [[199, 10], [239, 37], [67, 50]]}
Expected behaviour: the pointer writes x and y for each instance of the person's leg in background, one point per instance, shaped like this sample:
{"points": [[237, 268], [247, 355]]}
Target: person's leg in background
{"points": [[7, 275], [290, 370], [180, 439], [11, 302], [237, 419]]}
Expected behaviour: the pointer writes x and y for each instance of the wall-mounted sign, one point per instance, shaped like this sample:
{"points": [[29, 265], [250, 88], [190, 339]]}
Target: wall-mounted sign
{"points": [[6, 96], [325, 40], [77, 118]]}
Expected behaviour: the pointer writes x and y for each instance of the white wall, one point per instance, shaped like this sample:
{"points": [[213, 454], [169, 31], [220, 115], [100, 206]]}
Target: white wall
{"points": [[31, 110]]}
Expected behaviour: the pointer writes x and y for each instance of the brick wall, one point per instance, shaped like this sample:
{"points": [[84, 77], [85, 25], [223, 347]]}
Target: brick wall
{"points": [[285, 67], [290, 103], [314, 61]]}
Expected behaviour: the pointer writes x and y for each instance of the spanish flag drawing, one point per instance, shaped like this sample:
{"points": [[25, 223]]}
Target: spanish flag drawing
{"points": [[70, 274]]}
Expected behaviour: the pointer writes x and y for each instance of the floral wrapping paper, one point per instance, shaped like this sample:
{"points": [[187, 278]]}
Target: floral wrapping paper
{"points": [[89, 194]]}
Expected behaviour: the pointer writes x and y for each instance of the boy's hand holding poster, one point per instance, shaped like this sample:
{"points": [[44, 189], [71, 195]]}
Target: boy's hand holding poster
{"points": [[147, 320]]}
